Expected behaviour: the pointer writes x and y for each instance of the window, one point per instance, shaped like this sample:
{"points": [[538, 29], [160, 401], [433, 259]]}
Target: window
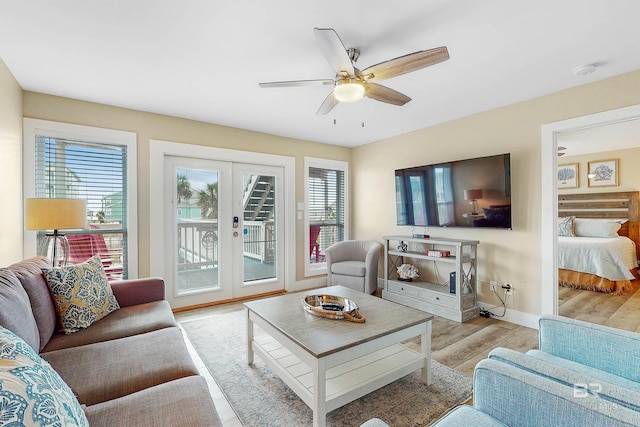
{"points": [[68, 161], [444, 195], [326, 201]]}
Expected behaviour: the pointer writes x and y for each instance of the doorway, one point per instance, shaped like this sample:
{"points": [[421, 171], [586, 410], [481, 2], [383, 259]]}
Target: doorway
{"points": [[219, 228], [224, 229], [549, 202]]}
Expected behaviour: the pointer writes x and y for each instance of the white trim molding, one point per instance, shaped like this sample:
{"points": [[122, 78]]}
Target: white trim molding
{"points": [[158, 150], [34, 127], [517, 317], [316, 269], [549, 194]]}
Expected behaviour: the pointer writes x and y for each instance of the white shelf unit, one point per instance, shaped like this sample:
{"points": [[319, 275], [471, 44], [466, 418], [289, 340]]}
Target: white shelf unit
{"points": [[433, 297]]}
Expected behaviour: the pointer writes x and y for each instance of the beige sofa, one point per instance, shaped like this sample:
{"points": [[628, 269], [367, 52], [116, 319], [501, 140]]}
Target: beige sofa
{"points": [[130, 368]]}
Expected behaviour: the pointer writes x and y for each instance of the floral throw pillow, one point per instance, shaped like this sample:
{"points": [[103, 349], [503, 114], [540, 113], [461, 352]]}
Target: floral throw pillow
{"points": [[81, 293], [566, 226], [31, 392]]}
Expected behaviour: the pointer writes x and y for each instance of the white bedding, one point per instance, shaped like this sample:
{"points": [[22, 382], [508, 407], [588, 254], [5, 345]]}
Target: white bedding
{"points": [[608, 257]]}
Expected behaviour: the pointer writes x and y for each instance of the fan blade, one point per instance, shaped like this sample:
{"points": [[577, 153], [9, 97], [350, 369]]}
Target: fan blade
{"points": [[405, 64], [385, 94], [333, 49], [297, 83], [327, 105]]}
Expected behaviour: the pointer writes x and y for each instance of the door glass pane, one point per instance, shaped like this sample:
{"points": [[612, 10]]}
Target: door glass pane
{"points": [[259, 227], [197, 230]]}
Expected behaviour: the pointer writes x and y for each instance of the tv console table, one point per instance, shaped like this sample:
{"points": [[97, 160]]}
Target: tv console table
{"points": [[435, 298]]}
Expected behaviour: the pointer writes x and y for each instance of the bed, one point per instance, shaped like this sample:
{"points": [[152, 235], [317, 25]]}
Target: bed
{"points": [[598, 241]]}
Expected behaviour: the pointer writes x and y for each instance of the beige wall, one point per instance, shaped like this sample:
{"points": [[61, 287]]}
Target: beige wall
{"points": [[628, 170], [506, 256], [11, 234], [149, 126]]}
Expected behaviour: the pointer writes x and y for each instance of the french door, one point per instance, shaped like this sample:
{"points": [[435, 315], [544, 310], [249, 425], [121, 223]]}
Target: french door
{"points": [[223, 229]]}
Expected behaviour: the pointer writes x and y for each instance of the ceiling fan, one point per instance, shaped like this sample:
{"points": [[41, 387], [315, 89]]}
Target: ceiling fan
{"points": [[351, 84]]}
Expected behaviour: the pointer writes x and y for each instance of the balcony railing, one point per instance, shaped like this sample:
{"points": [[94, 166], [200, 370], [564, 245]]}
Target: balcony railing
{"points": [[330, 233], [260, 240], [198, 243], [104, 240]]}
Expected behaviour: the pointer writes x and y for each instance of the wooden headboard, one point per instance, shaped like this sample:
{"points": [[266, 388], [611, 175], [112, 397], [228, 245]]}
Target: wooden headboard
{"points": [[623, 204]]}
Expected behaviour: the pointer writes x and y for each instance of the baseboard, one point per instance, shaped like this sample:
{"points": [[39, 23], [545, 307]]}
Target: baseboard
{"points": [[514, 316], [302, 285]]}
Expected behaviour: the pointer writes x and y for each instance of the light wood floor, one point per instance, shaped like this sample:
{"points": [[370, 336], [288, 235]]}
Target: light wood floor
{"points": [[618, 311], [457, 345], [462, 345]]}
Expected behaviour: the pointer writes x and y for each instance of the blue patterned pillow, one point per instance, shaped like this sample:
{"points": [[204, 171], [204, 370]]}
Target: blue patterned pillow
{"points": [[31, 392], [81, 293], [566, 226]]}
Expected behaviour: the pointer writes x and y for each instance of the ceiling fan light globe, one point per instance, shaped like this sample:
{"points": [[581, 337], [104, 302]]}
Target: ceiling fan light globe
{"points": [[348, 91]]}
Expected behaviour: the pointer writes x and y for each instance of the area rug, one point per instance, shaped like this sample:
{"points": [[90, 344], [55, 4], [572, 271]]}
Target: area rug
{"points": [[260, 398]]}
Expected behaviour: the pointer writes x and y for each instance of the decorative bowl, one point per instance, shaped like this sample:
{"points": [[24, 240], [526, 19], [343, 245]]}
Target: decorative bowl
{"points": [[329, 306]]}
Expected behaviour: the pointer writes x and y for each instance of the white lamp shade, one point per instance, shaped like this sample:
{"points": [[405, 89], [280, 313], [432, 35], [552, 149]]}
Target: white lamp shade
{"points": [[55, 214], [473, 194], [348, 91]]}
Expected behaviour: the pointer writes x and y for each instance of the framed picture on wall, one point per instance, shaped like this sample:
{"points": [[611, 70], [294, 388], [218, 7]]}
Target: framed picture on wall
{"points": [[603, 173], [568, 175]]}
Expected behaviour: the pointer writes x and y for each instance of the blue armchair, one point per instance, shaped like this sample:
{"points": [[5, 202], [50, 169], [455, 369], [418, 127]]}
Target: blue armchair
{"points": [[582, 375]]}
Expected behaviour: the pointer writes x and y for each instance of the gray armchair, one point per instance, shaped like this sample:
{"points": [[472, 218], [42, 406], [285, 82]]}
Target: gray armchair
{"points": [[354, 264]]}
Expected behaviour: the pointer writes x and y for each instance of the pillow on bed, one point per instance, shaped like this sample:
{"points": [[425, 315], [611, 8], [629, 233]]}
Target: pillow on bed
{"points": [[566, 226], [591, 227]]}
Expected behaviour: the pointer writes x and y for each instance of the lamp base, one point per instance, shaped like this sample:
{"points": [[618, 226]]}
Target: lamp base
{"points": [[55, 246], [474, 207]]}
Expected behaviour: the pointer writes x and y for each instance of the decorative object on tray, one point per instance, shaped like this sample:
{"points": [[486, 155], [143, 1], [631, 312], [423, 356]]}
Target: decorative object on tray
{"points": [[402, 246], [332, 307], [603, 173], [568, 175], [407, 272]]}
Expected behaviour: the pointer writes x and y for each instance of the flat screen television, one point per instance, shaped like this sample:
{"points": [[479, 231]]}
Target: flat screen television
{"points": [[464, 193]]}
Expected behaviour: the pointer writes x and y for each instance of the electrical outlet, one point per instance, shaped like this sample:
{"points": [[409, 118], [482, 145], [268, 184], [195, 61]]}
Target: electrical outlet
{"points": [[493, 285], [509, 291]]}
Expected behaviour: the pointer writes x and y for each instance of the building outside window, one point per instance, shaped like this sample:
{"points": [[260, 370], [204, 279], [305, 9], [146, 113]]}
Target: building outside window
{"points": [[326, 202], [93, 167]]}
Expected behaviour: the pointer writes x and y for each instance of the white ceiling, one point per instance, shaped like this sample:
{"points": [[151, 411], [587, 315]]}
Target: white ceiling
{"points": [[203, 59], [610, 137]]}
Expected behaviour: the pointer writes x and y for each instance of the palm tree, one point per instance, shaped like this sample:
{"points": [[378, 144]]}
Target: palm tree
{"points": [[184, 188], [208, 201]]}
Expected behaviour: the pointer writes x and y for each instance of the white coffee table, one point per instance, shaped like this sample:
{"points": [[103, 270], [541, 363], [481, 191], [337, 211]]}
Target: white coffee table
{"points": [[329, 363]]}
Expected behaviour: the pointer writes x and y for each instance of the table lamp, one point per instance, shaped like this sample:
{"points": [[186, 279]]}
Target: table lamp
{"points": [[473, 195], [56, 214]]}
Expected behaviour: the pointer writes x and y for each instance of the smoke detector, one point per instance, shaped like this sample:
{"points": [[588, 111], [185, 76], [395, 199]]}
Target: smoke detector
{"points": [[583, 70]]}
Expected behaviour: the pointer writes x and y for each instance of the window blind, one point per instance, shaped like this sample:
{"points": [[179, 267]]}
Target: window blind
{"points": [[327, 204], [95, 172]]}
